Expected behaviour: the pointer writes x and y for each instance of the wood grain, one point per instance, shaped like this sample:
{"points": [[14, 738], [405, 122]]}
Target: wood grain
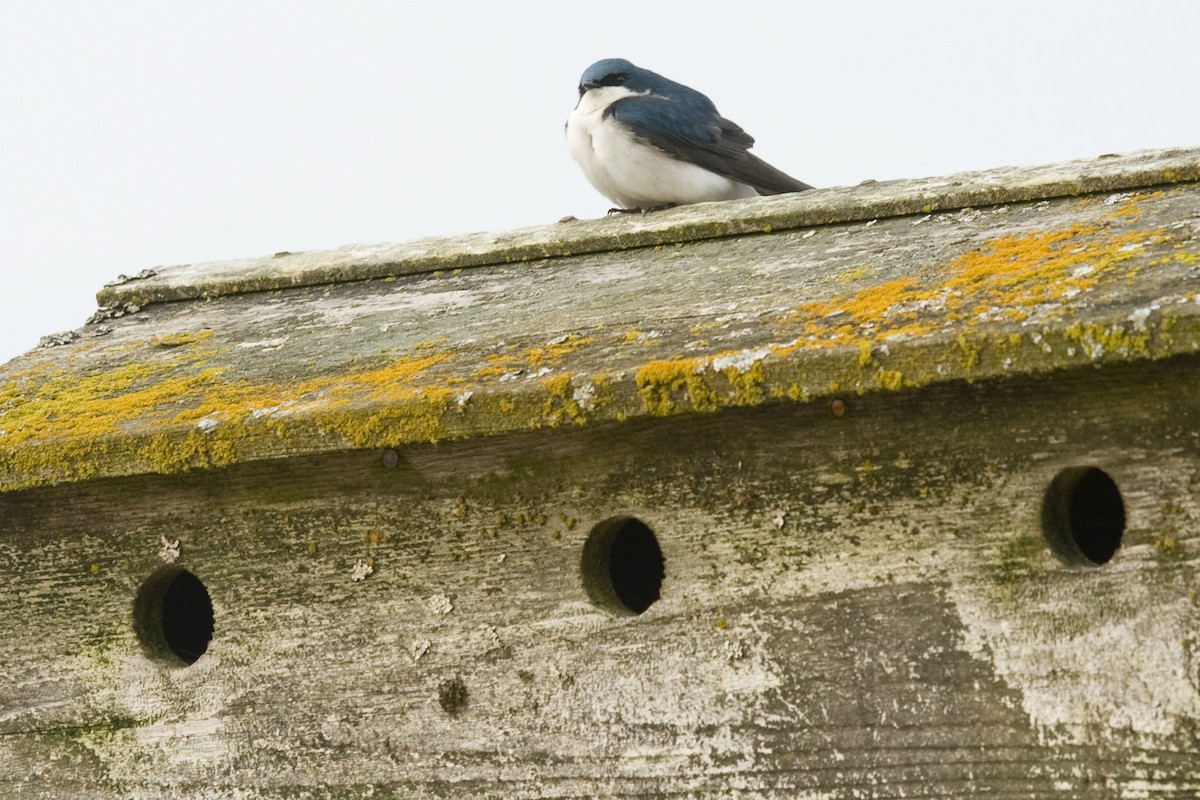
{"points": [[905, 633]]}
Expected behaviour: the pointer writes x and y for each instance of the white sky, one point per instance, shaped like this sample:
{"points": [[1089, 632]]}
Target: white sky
{"points": [[138, 134]]}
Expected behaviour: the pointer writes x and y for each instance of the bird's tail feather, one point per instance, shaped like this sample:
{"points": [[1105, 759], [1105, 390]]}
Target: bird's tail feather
{"points": [[767, 179]]}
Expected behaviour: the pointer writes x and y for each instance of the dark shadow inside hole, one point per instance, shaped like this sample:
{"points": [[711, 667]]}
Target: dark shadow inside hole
{"points": [[635, 566], [1097, 516], [173, 615], [1083, 516], [623, 567], [187, 617]]}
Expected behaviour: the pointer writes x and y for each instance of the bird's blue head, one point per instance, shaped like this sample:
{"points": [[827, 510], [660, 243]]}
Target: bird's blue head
{"points": [[610, 72], [619, 72]]}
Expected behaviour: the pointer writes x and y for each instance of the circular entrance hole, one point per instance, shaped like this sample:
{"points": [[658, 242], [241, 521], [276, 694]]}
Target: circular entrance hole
{"points": [[1083, 516], [173, 616], [622, 565]]}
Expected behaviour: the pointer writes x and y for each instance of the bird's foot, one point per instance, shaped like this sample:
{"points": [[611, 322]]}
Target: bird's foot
{"points": [[613, 211]]}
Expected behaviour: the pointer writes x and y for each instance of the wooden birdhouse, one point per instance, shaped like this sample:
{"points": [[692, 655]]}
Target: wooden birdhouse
{"points": [[883, 491]]}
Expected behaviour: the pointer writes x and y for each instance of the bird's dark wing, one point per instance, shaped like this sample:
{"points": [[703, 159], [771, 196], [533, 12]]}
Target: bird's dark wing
{"points": [[702, 137]]}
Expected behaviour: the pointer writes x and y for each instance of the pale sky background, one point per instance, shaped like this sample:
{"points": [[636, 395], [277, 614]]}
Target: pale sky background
{"points": [[139, 134]]}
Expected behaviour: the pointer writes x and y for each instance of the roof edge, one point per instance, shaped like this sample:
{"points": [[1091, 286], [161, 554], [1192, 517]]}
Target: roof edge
{"points": [[870, 200], [776, 374]]}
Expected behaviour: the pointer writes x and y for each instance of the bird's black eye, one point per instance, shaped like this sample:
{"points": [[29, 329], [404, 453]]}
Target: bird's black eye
{"points": [[611, 79]]}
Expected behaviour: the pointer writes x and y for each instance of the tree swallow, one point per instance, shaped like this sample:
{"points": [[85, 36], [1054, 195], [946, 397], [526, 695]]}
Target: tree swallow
{"points": [[646, 142]]}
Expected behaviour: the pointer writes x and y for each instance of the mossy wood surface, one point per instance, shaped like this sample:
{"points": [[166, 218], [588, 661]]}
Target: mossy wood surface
{"points": [[839, 428], [855, 606], [681, 324]]}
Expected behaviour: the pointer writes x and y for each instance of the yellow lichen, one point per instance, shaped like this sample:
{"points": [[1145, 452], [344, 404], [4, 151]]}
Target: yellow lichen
{"points": [[1129, 208], [1005, 278], [855, 273], [864, 353], [891, 379], [180, 401], [498, 364], [161, 393], [555, 352], [668, 386], [747, 384], [560, 404], [1096, 340], [1186, 257], [181, 338]]}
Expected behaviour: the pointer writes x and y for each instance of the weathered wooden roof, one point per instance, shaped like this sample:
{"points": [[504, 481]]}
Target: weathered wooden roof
{"points": [[787, 299]]}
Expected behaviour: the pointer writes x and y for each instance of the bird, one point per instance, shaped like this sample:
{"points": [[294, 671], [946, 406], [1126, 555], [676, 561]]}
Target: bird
{"points": [[646, 142]]}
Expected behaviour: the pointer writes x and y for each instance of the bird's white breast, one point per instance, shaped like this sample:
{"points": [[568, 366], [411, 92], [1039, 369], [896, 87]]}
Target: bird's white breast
{"points": [[630, 172]]}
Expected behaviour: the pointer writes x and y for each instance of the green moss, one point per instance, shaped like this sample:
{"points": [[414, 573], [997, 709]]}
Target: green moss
{"points": [[1016, 561], [970, 351]]}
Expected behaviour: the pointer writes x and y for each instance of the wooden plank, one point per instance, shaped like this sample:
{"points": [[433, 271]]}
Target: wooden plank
{"points": [[860, 604], [696, 326], [868, 201]]}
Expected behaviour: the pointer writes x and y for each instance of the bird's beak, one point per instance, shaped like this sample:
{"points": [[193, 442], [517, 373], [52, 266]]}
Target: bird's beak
{"points": [[583, 87]]}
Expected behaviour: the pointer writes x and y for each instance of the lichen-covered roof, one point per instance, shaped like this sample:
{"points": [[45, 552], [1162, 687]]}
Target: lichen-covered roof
{"points": [[879, 287]]}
